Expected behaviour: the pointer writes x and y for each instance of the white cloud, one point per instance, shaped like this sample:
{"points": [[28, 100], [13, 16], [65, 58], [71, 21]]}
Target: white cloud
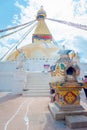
{"points": [[80, 7], [3, 50]]}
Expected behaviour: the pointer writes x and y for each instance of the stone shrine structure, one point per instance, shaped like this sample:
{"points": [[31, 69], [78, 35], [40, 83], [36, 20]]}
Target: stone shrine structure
{"points": [[67, 89]]}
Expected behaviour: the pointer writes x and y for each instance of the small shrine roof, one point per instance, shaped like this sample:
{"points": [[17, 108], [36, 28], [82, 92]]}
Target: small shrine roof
{"points": [[64, 52]]}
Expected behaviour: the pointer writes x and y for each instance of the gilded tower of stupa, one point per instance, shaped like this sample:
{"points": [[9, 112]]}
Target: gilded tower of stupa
{"points": [[42, 33]]}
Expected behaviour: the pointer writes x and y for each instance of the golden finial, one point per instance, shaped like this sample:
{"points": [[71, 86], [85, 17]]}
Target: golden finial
{"points": [[41, 14]]}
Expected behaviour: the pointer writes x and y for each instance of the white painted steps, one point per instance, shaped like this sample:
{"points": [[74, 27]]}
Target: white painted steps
{"points": [[37, 93], [37, 85]]}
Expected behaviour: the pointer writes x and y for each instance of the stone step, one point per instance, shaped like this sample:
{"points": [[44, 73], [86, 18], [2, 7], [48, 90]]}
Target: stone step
{"points": [[30, 88], [38, 78], [37, 91], [38, 81], [38, 75], [38, 85], [76, 121], [37, 94], [33, 73], [30, 77]]}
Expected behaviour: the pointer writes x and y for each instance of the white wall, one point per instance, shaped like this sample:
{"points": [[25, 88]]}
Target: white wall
{"points": [[8, 66], [11, 79], [38, 65], [83, 68]]}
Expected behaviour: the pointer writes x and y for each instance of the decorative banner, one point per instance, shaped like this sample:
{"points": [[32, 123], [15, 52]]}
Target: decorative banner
{"points": [[44, 37], [46, 66]]}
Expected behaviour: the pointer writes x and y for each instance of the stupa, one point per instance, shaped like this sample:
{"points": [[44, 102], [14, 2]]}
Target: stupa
{"points": [[42, 47]]}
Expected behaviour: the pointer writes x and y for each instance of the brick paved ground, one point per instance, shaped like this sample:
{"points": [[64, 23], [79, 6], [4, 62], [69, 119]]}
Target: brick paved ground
{"points": [[25, 113]]}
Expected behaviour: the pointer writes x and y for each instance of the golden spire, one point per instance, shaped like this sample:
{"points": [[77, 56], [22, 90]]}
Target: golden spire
{"points": [[41, 14], [41, 33]]}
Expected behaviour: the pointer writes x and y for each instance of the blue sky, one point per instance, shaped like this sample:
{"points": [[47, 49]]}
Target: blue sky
{"points": [[7, 11], [14, 12]]}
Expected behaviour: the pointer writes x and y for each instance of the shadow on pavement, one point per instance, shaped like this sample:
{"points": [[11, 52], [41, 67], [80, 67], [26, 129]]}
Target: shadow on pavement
{"points": [[51, 124], [8, 97]]}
